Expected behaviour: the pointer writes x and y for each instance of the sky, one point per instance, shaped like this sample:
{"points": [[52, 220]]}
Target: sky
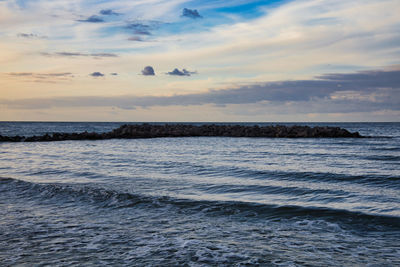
{"points": [[200, 60]]}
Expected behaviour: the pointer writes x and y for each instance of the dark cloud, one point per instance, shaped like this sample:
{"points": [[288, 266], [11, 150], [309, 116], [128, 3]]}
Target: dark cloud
{"points": [[143, 27], [78, 54], [333, 93], [148, 71], [31, 36], [139, 28], [114, 74], [97, 74], [191, 13], [109, 12], [184, 72], [92, 19]]}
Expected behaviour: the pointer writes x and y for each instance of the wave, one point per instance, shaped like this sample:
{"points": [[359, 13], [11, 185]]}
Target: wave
{"points": [[242, 172], [268, 189], [384, 158], [395, 148], [202, 170], [106, 198]]}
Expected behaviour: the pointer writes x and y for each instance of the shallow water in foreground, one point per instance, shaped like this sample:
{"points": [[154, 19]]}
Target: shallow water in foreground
{"points": [[200, 201]]}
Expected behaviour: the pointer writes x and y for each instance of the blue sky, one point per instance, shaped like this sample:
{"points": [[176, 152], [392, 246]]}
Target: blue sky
{"points": [[211, 60]]}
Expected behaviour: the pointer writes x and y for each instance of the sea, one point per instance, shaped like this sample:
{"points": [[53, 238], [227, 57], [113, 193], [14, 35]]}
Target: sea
{"points": [[200, 201]]}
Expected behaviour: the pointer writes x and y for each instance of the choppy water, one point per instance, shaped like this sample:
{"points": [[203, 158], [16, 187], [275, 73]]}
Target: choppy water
{"points": [[200, 201]]}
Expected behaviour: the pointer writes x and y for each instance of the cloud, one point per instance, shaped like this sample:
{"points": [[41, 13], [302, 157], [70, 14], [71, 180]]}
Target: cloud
{"points": [[148, 71], [177, 72], [31, 36], [56, 74], [108, 12], [92, 19], [334, 93], [144, 27], [135, 39], [97, 74], [78, 54], [114, 74], [139, 28], [191, 13], [41, 77], [19, 74], [287, 41]]}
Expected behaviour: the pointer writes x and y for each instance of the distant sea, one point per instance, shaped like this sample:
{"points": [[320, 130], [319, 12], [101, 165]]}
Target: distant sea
{"points": [[200, 201]]}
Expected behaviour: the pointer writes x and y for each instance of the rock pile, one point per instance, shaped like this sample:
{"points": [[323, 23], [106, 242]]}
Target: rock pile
{"points": [[186, 130]]}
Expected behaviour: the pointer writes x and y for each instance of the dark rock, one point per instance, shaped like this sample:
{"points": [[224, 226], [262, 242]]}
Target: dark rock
{"points": [[181, 130]]}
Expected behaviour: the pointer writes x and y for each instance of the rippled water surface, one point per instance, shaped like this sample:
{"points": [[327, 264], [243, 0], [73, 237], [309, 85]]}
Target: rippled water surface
{"points": [[200, 201]]}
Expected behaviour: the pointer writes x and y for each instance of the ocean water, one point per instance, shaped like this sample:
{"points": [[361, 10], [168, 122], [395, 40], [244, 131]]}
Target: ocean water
{"points": [[200, 201]]}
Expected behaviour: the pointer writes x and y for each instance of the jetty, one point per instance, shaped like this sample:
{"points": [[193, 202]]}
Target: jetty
{"points": [[134, 131]]}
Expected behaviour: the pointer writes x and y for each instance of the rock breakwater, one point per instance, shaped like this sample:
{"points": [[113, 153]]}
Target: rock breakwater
{"points": [[186, 130]]}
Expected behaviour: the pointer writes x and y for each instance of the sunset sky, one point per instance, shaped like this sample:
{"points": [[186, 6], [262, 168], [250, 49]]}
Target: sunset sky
{"points": [[202, 60]]}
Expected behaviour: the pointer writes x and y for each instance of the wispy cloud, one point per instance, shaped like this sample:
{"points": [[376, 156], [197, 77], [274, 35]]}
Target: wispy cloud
{"points": [[79, 54], [31, 36], [32, 74], [41, 77]]}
